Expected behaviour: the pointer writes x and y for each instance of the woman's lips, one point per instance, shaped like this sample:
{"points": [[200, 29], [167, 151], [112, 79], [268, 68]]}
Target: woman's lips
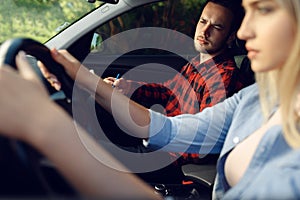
{"points": [[252, 53]]}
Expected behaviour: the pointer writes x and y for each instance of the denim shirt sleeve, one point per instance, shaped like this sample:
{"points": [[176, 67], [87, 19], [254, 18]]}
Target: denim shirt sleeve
{"points": [[203, 133]]}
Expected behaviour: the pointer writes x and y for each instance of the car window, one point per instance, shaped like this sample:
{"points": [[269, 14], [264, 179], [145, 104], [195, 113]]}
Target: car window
{"points": [[181, 16], [118, 46], [40, 19]]}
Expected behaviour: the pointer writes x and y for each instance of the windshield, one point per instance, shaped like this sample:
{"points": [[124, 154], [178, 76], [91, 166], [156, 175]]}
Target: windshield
{"points": [[40, 19]]}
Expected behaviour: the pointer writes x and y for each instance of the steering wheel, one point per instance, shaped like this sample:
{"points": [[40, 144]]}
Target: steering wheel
{"points": [[20, 161], [10, 49]]}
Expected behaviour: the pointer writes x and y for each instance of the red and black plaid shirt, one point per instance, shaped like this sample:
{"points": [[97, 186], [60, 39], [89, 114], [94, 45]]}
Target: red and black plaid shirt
{"points": [[196, 87]]}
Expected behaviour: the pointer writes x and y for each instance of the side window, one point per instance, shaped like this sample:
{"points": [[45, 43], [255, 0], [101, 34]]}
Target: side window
{"points": [[97, 43], [177, 15], [118, 46]]}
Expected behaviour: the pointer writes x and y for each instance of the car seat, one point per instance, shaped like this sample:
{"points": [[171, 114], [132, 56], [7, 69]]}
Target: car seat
{"points": [[246, 75]]}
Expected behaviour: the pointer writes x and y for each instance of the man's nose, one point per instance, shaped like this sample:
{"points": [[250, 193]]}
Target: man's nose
{"points": [[206, 29]]}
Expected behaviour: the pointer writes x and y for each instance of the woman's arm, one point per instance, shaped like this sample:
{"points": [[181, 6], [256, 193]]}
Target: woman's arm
{"points": [[132, 116], [32, 117]]}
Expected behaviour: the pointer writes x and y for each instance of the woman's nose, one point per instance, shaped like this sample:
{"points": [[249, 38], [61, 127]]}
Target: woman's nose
{"points": [[245, 31]]}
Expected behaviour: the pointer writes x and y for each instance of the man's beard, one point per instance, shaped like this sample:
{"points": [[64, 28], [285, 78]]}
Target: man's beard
{"points": [[210, 51]]}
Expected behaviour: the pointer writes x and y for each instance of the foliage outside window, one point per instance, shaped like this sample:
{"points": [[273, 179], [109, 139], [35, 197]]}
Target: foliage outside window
{"points": [[39, 19], [43, 19], [179, 15]]}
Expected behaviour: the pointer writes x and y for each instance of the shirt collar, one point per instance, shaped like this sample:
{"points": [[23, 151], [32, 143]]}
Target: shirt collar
{"points": [[213, 61]]}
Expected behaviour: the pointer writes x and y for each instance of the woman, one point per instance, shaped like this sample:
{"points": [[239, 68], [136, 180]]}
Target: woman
{"points": [[259, 156]]}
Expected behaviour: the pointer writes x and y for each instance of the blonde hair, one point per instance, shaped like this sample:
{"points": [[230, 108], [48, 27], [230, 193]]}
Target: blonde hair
{"points": [[282, 86]]}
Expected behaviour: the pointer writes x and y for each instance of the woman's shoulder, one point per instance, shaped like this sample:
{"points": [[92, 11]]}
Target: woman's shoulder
{"points": [[245, 93], [250, 88]]}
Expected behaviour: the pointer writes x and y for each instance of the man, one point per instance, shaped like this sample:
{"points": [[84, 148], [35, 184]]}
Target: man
{"points": [[215, 32], [207, 80]]}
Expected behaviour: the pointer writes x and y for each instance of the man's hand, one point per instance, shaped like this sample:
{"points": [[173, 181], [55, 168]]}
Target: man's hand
{"points": [[121, 84]]}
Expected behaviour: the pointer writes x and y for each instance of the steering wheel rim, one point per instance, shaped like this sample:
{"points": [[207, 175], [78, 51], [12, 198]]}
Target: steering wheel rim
{"points": [[25, 155], [10, 48]]}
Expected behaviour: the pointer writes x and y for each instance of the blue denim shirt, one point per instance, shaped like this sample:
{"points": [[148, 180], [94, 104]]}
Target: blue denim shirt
{"points": [[274, 171]]}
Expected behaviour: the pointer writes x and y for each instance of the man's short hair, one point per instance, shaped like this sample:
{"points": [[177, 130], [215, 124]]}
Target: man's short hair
{"points": [[235, 6]]}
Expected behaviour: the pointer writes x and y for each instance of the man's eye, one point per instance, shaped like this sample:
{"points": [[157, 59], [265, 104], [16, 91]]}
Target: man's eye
{"points": [[203, 21], [218, 27]]}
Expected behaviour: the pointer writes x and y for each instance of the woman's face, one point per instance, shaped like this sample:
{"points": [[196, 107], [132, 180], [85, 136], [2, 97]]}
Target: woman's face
{"points": [[269, 31]]}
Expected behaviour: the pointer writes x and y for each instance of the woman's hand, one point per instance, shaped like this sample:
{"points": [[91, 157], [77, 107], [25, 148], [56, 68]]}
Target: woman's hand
{"points": [[70, 64], [78, 72], [27, 113], [23, 100], [51, 78]]}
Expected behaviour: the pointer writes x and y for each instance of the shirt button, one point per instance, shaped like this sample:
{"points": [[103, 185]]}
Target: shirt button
{"points": [[236, 140]]}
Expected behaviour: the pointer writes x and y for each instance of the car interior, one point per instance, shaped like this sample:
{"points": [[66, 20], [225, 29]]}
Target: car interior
{"points": [[109, 58]]}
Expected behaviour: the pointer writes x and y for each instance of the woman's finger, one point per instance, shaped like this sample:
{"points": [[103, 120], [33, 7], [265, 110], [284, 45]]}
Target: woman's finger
{"points": [[43, 69], [51, 78], [24, 67], [26, 71], [70, 63]]}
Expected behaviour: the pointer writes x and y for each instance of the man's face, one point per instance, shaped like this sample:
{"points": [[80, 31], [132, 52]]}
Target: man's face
{"points": [[212, 32]]}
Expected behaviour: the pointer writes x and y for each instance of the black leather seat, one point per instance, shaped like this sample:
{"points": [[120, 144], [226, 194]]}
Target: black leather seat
{"points": [[246, 75]]}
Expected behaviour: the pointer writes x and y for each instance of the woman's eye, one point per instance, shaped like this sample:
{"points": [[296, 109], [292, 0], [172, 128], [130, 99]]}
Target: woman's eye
{"points": [[264, 9]]}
